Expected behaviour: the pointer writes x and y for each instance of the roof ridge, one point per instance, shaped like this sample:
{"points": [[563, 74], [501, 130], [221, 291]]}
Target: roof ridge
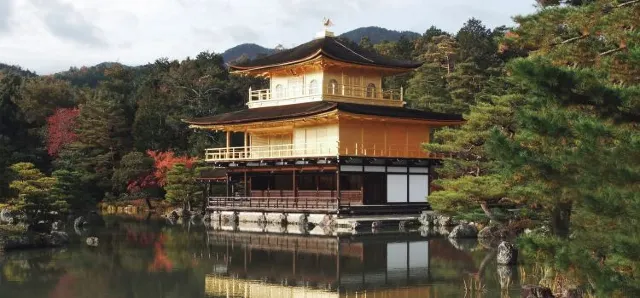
{"points": [[352, 51]]}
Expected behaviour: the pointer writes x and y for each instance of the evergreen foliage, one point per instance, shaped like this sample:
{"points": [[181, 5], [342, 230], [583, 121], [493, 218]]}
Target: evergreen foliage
{"points": [[34, 191]]}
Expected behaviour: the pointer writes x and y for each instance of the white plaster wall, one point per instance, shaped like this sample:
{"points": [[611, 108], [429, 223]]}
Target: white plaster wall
{"points": [[418, 188], [396, 188]]}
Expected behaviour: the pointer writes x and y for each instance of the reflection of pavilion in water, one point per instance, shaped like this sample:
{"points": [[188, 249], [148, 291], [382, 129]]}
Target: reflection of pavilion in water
{"points": [[283, 266]]}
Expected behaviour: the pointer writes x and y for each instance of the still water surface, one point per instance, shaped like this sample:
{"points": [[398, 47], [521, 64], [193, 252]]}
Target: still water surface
{"points": [[140, 258]]}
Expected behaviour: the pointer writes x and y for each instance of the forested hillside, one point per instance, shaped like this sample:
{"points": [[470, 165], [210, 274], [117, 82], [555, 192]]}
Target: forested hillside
{"points": [[5, 68], [245, 51], [378, 34]]}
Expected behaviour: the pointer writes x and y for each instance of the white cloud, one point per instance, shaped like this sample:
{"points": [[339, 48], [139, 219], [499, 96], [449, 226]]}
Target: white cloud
{"points": [[6, 7], [52, 35]]}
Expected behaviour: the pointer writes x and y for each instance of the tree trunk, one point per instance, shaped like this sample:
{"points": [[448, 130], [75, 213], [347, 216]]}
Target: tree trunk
{"points": [[488, 212], [561, 219], [148, 203]]}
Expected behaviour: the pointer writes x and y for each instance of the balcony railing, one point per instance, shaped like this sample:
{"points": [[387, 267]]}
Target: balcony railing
{"points": [[272, 151], [320, 149], [373, 95]]}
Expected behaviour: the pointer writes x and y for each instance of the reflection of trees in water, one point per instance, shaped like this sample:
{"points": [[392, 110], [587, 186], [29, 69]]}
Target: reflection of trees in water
{"points": [[134, 259]]}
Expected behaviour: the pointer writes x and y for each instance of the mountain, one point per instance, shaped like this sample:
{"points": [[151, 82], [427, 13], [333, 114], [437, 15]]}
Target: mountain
{"points": [[378, 34], [250, 50], [6, 68], [91, 76], [375, 34]]}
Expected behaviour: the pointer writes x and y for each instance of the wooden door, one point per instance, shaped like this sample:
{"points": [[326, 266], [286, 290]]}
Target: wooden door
{"points": [[375, 189]]}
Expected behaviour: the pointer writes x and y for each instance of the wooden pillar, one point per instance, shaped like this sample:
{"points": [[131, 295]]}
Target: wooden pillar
{"points": [[246, 143], [245, 184], [227, 189], [228, 142], [295, 186]]}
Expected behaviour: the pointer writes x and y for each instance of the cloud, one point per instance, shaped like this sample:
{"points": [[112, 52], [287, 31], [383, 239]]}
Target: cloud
{"points": [[65, 22], [6, 7], [87, 32]]}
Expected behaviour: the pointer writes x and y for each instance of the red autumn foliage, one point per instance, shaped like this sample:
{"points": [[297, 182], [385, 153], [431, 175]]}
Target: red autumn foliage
{"points": [[162, 163], [60, 129]]}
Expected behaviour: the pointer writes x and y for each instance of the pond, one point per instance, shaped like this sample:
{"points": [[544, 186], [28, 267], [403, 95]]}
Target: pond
{"points": [[147, 257]]}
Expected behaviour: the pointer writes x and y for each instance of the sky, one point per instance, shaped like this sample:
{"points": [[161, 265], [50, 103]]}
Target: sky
{"points": [[49, 36]]}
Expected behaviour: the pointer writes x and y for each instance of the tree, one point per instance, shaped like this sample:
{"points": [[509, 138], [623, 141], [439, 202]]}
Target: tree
{"points": [[42, 96], [477, 59], [61, 129], [102, 138], [164, 162], [69, 187], [16, 142], [577, 154], [182, 185], [132, 167], [34, 193], [470, 178], [428, 88], [366, 44]]}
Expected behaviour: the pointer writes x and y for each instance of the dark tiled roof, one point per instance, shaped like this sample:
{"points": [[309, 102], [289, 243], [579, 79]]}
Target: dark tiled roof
{"points": [[329, 46], [318, 107]]}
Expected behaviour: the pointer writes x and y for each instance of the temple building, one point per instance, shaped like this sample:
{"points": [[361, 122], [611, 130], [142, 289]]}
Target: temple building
{"points": [[325, 136]]}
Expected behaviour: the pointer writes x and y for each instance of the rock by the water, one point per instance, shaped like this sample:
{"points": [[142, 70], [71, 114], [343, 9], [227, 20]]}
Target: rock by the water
{"points": [[6, 216], [507, 253], [92, 241], [464, 231], [79, 222], [40, 227], [176, 213], [58, 238], [533, 291], [426, 218], [57, 225], [444, 221]]}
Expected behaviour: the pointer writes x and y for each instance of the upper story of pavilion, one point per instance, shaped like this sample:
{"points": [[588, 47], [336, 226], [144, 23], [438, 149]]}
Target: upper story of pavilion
{"points": [[325, 69], [325, 100]]}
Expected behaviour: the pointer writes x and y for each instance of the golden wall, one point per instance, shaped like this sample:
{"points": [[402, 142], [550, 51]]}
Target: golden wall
{"points": [[376, 138]]}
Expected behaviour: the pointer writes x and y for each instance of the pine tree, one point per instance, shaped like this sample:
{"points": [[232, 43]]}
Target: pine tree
{"points": [[469, 179], [366, 44], [476, 58], [102, 139], [576, 153], [182, 185], [17, 144], [34, 191], [427, 89]]}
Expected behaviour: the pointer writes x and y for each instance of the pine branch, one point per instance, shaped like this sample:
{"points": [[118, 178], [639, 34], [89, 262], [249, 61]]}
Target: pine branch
{"points": [[628, 3], [612, 51], [574, 39]]}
